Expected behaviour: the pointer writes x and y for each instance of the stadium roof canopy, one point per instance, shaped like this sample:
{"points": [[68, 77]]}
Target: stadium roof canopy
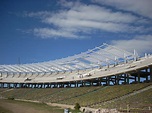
{"points": [[103, 55]]}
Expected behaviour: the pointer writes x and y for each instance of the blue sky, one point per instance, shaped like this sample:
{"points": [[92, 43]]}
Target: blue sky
{"points": [[43, 30]]}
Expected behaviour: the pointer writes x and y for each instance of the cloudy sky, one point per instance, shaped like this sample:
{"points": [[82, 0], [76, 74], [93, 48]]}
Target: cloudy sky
{"points": [[43, 30]]}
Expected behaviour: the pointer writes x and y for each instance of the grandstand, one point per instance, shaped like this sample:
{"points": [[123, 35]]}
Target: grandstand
{"points": [[103, 65], [137, 96]]}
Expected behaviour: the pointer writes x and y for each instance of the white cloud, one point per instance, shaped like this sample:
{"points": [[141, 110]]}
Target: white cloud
{"points": [[41, 14], [51, 33], [76, 17], [140, 43], [141, 7]]}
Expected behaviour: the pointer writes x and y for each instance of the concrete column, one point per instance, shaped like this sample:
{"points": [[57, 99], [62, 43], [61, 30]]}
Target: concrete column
{"points": [[33, 85], [3, 85], [150, 73], [77, 84], [127, 75], [125, 78], [30, 85], [21, 85], [117, 79], [138, 76], [15, 85], [49, 85], [108, 80], [91, 83], [62, 85], [135, 79], [69, 84], [147, 75], [0, 85], [8, 85], [99, 81], [82, 83], [56, 85]]}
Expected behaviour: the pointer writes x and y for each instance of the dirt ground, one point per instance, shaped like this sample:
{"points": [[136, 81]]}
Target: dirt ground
{"points": [[24, 106], [16, 107]]}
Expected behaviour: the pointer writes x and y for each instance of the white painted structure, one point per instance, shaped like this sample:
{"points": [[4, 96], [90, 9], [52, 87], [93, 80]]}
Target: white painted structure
{"points": [[102, 61]]}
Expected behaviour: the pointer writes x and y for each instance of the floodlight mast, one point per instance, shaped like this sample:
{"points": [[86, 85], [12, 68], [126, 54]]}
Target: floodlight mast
{"points": [[136, 56]]}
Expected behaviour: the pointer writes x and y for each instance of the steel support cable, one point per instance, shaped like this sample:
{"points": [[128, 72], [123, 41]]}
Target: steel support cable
{"points": [[40, 67], [30, 67], [22, 69], [27, 68], [124, 51], [5, 69], [35, 68], [82, 64], [99, 59], [43, 67], [48, 67], [116, 55], [15, 69], [9, 68], [61, 68], [76, 65], [111, 53], [85, 54], [99, 53], [66, 65], [106, 57]]}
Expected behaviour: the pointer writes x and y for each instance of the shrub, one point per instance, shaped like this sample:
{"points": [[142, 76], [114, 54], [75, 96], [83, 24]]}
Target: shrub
{"points": [[11, 98], [77, 106]]}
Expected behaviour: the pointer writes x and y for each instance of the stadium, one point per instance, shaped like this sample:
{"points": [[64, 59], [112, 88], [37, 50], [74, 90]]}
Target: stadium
{"points": [[103, 65], [108, 76]]}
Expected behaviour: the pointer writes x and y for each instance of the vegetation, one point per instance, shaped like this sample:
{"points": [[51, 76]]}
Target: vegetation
{"points": [[104, 94], [138, 102], [77, 106], [10, 98], [95, 97]]}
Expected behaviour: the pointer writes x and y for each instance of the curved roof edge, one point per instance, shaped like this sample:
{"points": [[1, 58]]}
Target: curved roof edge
{"points": [[100, 56]]}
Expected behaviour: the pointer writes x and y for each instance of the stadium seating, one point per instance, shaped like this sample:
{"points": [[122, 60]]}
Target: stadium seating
{"points": [[87, 96]]}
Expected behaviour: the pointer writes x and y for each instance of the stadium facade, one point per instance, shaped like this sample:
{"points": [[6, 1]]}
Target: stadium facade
{"points": [[103, 65]]}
